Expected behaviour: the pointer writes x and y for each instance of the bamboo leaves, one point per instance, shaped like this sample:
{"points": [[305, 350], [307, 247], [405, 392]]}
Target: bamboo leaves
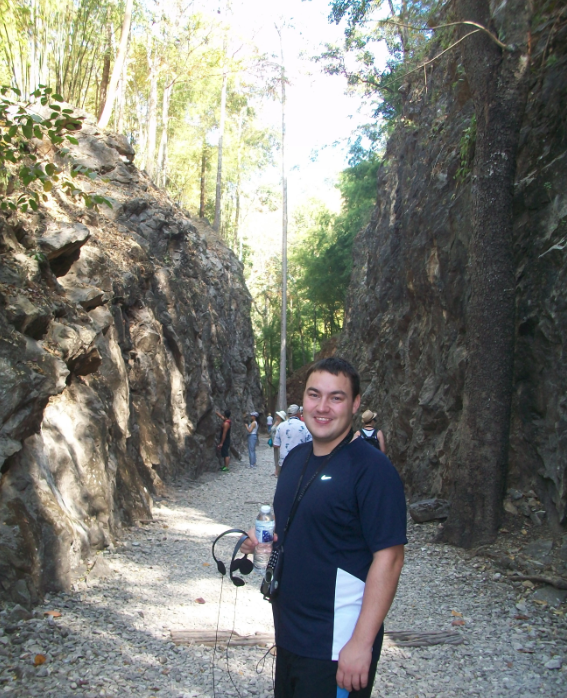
{"points": [[21, 171]]}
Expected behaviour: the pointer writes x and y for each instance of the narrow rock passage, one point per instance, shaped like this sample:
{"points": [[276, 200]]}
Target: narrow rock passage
{"points": [[113, 635]]}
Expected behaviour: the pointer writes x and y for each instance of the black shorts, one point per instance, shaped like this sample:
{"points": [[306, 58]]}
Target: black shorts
{"points": [[225, 450], [303, 677]]}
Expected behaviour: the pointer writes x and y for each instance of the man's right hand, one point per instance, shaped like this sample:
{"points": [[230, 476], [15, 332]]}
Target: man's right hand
{"points": [[250, 543]]}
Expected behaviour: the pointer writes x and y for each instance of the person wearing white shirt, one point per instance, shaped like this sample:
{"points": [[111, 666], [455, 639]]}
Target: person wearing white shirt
{"points": [[290, 434]]}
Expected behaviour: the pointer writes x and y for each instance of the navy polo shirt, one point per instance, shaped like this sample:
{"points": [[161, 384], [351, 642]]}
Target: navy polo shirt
{"points": [[354, 508]]}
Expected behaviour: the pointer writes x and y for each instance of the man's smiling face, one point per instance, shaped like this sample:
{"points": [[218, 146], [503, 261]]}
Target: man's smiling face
{"points": [[328, 408]]}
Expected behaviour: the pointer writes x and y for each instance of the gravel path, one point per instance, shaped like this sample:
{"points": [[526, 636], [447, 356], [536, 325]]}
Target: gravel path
{"points": [[113, 635]]}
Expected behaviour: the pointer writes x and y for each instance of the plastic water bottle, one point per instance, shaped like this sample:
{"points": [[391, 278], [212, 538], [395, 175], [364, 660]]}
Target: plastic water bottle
{"points": [[265, 535]]}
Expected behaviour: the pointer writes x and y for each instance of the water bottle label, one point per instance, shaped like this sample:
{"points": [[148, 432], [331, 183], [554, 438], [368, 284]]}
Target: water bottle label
{"points": [[265, 531]]}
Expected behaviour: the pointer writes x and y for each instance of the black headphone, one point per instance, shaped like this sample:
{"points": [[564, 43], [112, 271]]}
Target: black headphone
{"points": [[243, 564]]}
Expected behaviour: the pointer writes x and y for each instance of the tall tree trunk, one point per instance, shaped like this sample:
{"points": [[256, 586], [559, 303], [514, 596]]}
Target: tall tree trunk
{"points": [[402, 31], [122, 98], [162, 154], [106, 67], [237, 235], [282, 393], [117, 69], [218, 195], [142, 150], [204, 154], [498, 81], [34, 48], [152, 116], [301, 339], [315, 338]]}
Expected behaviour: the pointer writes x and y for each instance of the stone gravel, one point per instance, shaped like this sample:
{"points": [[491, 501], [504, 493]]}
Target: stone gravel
{"points": [[112, 636]]}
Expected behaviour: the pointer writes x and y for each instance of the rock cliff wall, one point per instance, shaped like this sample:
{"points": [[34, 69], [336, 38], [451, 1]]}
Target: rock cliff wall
{"points": [[405, 324], [120, 333]]}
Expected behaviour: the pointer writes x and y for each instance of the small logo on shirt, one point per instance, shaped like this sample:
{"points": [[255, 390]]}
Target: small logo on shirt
{"points": [[325, 477]]}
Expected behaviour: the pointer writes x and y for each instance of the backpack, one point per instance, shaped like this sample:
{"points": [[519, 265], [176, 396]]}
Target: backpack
{"points": [[372, 439]]}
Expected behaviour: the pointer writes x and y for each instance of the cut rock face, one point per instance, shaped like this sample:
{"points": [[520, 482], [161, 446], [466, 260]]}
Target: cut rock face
{"points": [[89, 297], [63, 239], [550, 595], [405, 326], [429, 510], [28, 318], [118, 341], [540, 551]]}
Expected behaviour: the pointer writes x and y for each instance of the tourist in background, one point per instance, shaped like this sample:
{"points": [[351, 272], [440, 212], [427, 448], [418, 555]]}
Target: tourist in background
{"points": [[224, 442], [290, 434], [370, 433], [252, 438], [280, 417]]}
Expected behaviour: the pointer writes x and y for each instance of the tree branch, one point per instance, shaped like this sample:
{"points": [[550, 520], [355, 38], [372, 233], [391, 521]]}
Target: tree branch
{"points": [[480, 27], [423, 65], [557, 582]]}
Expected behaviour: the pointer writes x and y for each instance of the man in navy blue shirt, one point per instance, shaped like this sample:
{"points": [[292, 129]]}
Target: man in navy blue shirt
{"points": [[343, 549]]}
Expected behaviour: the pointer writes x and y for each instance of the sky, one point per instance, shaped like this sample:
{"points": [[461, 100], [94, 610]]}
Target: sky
{"points": [[320, 116]]}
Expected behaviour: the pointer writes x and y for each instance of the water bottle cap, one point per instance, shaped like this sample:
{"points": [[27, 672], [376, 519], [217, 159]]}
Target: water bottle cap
{"points": [[265, 508]]}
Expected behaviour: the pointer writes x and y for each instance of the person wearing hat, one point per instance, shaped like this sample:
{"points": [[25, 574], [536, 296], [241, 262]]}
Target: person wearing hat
{"points": [[290, 434], [369, 433], [252, 429], [280, 417]]}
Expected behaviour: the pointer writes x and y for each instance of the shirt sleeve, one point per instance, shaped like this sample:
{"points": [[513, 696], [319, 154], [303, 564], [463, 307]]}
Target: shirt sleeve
{"points": [[382, 504], [277, 437]]}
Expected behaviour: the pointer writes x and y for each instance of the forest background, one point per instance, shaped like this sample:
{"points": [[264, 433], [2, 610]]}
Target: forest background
{"points": [[192, 97]]}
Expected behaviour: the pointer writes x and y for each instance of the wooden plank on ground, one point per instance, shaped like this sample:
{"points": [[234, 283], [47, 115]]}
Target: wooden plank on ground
{"points": [[221, 637], [403, 638], [408, 638]]}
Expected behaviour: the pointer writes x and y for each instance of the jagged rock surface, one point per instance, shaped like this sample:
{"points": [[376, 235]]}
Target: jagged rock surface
{"points": [[405, 317], [120, 333]]}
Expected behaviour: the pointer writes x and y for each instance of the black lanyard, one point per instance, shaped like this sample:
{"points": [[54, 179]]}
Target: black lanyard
{"points": [[299, 495]]}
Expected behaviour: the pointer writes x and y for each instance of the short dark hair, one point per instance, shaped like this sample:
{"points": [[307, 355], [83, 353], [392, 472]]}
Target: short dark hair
{"points": [[336, 365], [227, 413]]}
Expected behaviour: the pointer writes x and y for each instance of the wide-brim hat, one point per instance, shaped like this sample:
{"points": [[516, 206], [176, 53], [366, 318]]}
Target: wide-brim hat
{"points": [[282, 415], [368, 416], [293, 409]]}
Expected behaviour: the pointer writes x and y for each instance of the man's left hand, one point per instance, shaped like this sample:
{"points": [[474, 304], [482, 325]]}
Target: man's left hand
{"points": [[354, 664]]}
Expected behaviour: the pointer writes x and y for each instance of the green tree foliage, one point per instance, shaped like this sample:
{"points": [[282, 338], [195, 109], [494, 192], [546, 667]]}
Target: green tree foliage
{"points": [[168, 97], [321, 261], [25, 177], [61, 43], [404, 31]]}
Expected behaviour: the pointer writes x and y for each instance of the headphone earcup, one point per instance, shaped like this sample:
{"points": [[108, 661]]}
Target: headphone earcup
{"points": [[245, 565], [238, 582], [234, 564]]}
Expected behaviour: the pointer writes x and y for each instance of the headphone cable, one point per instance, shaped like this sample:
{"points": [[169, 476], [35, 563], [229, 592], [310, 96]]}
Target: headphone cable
{"points": [[217, 636], [228, 643], [262, 662]]}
